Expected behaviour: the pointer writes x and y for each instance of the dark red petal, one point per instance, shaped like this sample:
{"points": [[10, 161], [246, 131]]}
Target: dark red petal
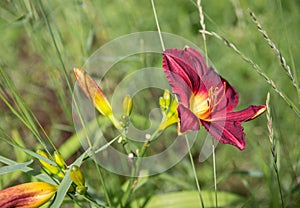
{"points": [[179, 87], [227, 132], [176, 61], [197, 60], [226, 96], [231, 95], [247, 114], [187, 120]]}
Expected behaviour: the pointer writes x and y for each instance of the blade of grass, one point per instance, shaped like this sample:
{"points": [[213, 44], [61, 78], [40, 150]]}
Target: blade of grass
{"points": [[157, 25], [30, 171], [14, 167], [27, 151], [18, 108]]}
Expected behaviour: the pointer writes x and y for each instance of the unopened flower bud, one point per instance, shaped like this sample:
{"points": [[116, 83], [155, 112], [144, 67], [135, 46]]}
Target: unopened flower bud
{"points": [[96, 95], [76, 176], [59, 160], [127, 105], [171, 117], [164, 101], [162, 104], [167, 98], [49, 167], [33, 194], [173, 108]]}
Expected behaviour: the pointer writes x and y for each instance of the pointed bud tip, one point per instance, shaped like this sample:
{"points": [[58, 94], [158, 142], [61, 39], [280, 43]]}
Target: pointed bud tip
{"points": [[261, 110]]}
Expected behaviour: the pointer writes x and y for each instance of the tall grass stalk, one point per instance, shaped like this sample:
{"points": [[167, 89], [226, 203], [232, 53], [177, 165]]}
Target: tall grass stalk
{"points": [[202, 24], [273, 147], [276, 51], [157, 25], [92, 155], [59, 55], [257, 69]]}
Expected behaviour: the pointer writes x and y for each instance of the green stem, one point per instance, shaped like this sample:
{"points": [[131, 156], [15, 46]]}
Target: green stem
{"points": [[215, 174], [92, 201], [136, 167], [103, 183], [194, 172]]}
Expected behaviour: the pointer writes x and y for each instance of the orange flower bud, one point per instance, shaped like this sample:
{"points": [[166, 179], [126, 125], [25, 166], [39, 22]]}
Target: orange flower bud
{"points": [[27, 195], [95, 94]]}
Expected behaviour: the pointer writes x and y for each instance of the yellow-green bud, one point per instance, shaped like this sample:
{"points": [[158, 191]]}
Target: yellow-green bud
{"points": [[167, 98], [49, 167], [164, 101], [162, 104], [173, 108], [127, 105], [58, 158], [171, 117], [76, 176]]}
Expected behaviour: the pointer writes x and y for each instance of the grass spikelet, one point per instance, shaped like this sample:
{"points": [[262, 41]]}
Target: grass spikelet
{"points": [[276, 51], [273, 146]]}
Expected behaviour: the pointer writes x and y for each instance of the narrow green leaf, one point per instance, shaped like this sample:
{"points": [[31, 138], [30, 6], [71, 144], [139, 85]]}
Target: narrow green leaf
{"points": [[14, 167], [191, 199], [29, 152], [40, 176]]}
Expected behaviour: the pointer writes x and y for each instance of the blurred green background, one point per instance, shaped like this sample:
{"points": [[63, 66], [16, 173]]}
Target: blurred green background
{"points": [[42, 43]]}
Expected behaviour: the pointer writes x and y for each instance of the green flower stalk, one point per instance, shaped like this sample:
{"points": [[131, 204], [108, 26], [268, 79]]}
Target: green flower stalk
{"points": [[27, 195], [96, 95]]}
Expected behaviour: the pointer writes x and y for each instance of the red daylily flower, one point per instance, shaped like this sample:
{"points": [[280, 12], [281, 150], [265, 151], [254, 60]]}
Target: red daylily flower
{"points": [[205, 98]]}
